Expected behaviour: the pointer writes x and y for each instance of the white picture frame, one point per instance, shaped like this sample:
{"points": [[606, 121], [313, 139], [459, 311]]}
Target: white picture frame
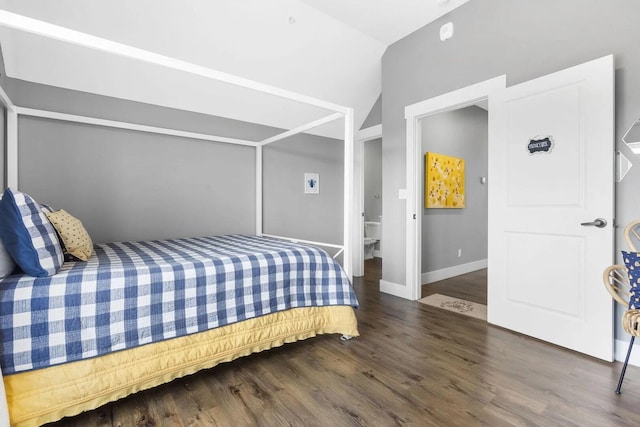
{"points": [[311, 183]]}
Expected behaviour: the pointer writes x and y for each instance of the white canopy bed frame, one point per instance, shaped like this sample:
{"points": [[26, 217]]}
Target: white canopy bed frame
{"points": [[44, 29], [332, 319]]}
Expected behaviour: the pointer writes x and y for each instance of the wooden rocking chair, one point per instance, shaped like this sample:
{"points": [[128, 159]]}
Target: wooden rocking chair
{"points": [[616, 282]]}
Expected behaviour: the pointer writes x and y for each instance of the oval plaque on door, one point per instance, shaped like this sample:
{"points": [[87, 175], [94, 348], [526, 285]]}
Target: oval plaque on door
{"points": [[540, 144]]}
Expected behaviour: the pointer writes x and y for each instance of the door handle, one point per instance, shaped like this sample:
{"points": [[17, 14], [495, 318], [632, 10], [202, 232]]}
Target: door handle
{"points": [[598, 222]]}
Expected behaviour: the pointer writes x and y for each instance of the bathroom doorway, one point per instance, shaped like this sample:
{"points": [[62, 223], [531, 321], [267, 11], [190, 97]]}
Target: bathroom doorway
{"points": [[372, 202], [363, 137]]}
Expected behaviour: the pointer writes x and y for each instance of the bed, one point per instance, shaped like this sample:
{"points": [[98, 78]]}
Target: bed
{"points": [[140, 314]]}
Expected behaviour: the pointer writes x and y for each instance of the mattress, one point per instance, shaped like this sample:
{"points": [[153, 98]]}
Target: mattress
{"points": [[130, 294]]}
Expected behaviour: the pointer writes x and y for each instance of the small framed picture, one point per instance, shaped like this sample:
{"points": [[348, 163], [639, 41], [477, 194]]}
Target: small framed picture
{"points": [[311, 183]]}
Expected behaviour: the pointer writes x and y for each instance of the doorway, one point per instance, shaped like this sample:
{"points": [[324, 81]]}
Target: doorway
{"points": [[372, 202], [545, 261], [414, 113], [454, 237], [362, 137]]}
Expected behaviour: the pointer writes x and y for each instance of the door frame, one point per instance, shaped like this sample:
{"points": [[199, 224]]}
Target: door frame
{"points": [[413, 113], [362, 136]]}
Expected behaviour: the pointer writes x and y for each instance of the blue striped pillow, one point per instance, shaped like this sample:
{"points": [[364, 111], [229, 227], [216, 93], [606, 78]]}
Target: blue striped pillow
{"points": [[28, 235]]}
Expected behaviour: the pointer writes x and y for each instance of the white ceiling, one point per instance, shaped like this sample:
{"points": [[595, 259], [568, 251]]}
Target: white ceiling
{"points": [[386, 21], [328, 49]]}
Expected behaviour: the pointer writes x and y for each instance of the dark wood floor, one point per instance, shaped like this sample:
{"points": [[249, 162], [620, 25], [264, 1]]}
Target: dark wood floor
{"points": [[471, 287], [413, 365]]}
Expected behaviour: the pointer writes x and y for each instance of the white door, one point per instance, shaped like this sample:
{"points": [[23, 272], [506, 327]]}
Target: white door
{"points": [[551, 160]]}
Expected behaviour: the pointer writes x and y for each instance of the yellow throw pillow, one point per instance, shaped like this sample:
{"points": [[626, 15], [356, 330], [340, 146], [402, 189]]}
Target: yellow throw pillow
{"points": [[75, 238]]}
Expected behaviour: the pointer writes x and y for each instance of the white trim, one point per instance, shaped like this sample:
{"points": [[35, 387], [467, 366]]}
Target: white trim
{"points": [[620, 352], [413, 212], [362, 136], [367, 134], [303, 128], [130, 126], [456, 270], [12, 149], [308, 242], [358, 207], [5, 100], [395, 289], [413, 113], [347, 259], [78, 38], [455, 99]]}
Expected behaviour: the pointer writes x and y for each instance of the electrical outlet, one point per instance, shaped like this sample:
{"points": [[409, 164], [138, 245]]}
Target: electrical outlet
{"points": [[459, 253]]}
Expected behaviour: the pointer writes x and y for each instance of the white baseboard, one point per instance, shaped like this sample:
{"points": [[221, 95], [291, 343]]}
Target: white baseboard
{"points": [[377, 253], [394, 289], [445, 273], [620, 352]]}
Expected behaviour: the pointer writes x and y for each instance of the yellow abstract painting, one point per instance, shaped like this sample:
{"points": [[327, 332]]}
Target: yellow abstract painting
{"points": [[444, 181]]}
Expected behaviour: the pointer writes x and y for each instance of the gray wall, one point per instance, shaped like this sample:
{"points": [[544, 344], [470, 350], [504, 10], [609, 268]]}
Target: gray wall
{"points": [[373, 180], [288, 211], [461, 133], [524, 40], [127, 185], [375, 115]]}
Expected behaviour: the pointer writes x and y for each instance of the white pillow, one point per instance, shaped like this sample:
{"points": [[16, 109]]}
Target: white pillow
{"points": [[7, 265]]}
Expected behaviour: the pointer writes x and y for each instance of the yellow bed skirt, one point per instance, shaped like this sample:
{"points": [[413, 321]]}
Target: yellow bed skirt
{"points": [[49, 394]]}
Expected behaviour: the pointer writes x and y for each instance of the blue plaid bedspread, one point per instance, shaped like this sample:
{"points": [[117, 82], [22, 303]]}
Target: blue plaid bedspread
{"points": [[130, 294]]}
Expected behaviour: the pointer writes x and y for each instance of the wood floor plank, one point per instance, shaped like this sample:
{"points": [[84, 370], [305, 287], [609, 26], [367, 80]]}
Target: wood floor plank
{"points": [[229, 406]]}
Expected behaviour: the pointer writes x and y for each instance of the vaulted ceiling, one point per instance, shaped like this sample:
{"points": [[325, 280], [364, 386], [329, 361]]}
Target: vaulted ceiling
{"points": [[328, 49]]}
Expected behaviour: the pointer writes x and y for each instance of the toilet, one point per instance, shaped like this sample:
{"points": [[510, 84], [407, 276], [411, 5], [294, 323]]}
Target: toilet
{"points": [[371, 237]]}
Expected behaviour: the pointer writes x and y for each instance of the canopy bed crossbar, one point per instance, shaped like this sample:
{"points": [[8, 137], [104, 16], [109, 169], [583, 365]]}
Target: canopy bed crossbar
{"points": [[47, 30], [310, 242], [51, 31]]}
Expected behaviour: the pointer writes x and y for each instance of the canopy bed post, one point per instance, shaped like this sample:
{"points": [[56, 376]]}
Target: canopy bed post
{"points": [[259, 190], [12, 139], [347, 257], [12, 148]]}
